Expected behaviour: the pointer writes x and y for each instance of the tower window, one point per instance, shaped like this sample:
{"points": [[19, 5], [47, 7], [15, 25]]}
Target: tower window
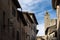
{"points": [[47, 18]]}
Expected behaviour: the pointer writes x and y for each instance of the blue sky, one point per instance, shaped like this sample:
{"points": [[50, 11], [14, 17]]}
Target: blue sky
{"points": [[39, 7]]}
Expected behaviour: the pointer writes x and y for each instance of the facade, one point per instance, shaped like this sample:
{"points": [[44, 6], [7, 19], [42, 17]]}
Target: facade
{"points": [[30, 29], [56, 6], [21, 23], [14, 24], [8, 15], [51, 33], [50, 27], [40, 37]]}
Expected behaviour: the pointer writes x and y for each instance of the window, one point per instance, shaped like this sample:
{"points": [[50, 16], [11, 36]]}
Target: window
{"points": [[4, 20], [59, 24], [47, 18], [27, 37], [13, 12], [17, 37], [34, 29], [8, 24], [55, 34], [18, 16], [8, 2], [13, 32]]}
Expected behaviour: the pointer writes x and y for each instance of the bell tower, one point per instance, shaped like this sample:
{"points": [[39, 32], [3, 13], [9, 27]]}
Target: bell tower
{"points": [[47, 20]]}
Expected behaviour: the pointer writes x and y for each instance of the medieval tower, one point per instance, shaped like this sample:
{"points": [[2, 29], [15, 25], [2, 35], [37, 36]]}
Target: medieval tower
{"points": [[47, 20], [49, 23]]}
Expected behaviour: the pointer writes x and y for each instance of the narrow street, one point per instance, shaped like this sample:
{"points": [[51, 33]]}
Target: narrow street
{"points": [[29, 19]]}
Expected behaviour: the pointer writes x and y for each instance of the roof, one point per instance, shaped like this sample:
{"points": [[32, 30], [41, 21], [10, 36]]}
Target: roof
{"points": [[34, 17], [51, 27], [16, 3], [46, 30], [27, 14], [22, 18], [55, 3]]}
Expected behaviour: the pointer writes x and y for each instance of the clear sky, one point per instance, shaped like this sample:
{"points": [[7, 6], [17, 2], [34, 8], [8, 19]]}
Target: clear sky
{"points": [[39, 7]]}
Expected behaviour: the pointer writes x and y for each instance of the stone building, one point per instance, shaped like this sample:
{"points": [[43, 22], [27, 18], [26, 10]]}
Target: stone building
{"points": [[47, 20], [26, 26], [40, 37], [51, 33], [8, 16], [20, 27], [30, 29], [14, 24], [50, 27], [56, 6]]}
